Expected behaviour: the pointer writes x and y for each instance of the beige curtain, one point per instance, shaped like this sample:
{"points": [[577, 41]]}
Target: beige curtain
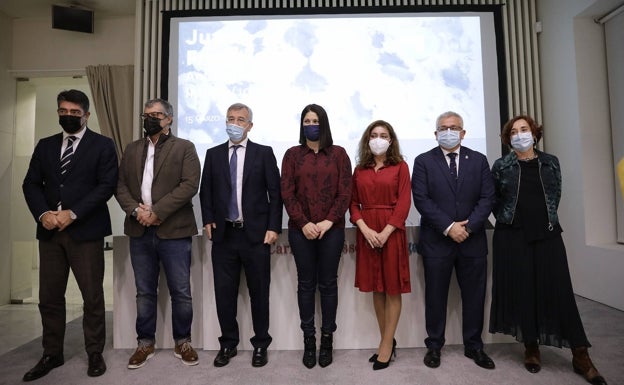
{"points": [[113, 98]]}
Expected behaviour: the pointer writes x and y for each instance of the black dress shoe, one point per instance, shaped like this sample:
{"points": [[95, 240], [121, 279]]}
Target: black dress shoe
{"points": [[43, 367], [259, 357], [432, 358], [97, 366], [224, 355], [480, 358]]}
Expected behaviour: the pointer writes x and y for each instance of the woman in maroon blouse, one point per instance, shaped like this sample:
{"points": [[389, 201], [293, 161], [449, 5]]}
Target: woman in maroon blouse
{"points": [[380, 203], [316, 189]]}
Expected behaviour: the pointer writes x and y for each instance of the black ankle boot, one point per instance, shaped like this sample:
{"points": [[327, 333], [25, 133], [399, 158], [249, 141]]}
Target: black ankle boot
{"points": [[309, 352], [326, 350]]}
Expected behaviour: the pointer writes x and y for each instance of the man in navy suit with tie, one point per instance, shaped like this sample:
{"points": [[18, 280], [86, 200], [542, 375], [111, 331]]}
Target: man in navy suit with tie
{"points": [[454, 192], [242, 214], [70, 178]]}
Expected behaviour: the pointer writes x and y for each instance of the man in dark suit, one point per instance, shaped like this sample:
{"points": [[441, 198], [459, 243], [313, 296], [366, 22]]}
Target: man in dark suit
{"points": [[454, 192], [70, 178], [158, 177], [242, 215]]}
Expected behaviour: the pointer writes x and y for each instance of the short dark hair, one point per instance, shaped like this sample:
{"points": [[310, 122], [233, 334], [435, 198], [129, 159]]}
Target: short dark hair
{"points": [[165, 104], [325, 138], [74, 96], [536, 129]]}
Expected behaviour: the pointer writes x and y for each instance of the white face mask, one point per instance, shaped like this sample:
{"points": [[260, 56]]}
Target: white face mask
{"points": [[448, 139], [378, 146], [522, 141]]}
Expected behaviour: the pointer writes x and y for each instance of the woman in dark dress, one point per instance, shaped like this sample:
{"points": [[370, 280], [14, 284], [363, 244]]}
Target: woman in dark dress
{"points": [[532, 296]]}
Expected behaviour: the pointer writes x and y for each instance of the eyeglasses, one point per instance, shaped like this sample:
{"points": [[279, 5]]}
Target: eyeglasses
{"points": [[63, 112], [238, 120], [452, 128], [156, 114]]}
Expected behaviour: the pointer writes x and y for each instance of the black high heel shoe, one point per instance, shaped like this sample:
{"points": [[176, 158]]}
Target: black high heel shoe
{"points": [[378, 365], [373, 358]]}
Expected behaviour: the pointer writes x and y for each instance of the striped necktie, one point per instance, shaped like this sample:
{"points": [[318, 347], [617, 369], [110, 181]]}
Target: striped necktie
{"points": [[67, 155], [65, 160]]}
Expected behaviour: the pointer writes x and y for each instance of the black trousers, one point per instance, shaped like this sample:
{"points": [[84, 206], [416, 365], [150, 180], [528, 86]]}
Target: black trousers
{"points": [[86, 261], [471, 275], [228, 257]]}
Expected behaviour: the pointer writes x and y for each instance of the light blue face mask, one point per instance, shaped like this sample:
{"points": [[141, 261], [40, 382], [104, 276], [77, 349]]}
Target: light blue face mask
{"points": [[522, 141], [235, 132], [448, 139]]}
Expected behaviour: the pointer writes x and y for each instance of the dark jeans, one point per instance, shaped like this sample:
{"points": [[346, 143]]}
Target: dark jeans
{"points": [[228, 257], [317, 262], [147, 253], [86, 260]]}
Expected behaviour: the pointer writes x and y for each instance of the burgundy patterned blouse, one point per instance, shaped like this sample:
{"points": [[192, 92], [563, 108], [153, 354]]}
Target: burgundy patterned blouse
{"points": [[316, 186]]}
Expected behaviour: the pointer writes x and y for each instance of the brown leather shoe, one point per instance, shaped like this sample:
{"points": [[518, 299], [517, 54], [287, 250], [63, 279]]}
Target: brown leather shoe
{"points": [[140, 356], [584, 366], [186, 353], [532, 361]]}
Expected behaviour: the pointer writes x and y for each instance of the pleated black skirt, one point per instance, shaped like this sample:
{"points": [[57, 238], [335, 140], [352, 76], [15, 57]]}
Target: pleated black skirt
{"points": [[532, 296]]}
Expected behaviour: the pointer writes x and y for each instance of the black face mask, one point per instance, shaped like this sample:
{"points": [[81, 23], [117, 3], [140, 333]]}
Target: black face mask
{"points": [[71, 124], [151, 126]]}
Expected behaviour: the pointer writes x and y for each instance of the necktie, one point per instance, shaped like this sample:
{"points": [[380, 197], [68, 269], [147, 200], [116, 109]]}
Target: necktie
{"points": [[233, 204], [67, 154], [453, 165], [65, 160]]}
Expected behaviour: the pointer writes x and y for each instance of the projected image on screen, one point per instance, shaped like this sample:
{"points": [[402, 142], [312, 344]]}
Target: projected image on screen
{"points": [[403, 68]]}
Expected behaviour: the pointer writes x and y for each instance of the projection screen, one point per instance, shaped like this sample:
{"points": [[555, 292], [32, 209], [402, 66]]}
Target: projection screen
{"points": [[402, 67]]}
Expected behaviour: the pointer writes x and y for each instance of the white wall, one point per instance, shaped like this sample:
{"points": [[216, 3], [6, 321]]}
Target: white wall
{"points": [[577, 130], [39, 48], [7, 106]]}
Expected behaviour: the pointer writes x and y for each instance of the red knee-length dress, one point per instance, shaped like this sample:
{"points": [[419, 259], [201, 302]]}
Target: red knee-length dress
{"points": [[379, 198]]}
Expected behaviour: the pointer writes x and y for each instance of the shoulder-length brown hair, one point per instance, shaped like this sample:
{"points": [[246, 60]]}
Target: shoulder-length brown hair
{"points": [[536, 129], [366, 158]]}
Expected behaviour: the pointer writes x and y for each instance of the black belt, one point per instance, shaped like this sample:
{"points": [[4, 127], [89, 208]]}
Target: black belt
{"points": [[234, 224]]}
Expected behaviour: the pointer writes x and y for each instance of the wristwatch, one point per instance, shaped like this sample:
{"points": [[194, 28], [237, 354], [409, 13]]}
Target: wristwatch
{"points": [[72, 215], [135, 212]]}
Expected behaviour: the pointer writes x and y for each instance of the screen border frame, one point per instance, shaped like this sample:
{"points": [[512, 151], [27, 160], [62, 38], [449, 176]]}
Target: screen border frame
{"points": [[495, 9]]}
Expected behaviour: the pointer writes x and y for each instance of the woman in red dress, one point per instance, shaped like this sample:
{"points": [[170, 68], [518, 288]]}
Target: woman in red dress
{"points": [[380, 203]]}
